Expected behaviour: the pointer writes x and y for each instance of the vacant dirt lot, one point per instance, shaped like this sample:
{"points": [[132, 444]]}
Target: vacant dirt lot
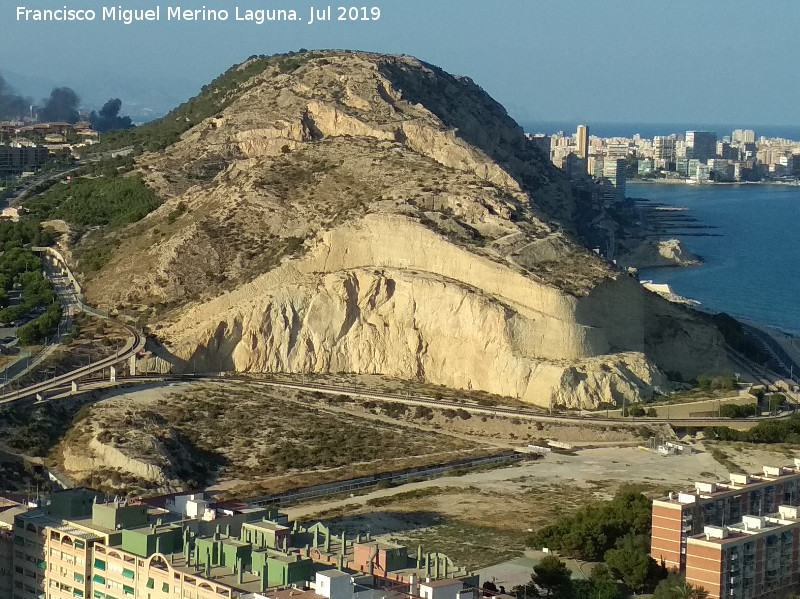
{"points": [[485, 518]]}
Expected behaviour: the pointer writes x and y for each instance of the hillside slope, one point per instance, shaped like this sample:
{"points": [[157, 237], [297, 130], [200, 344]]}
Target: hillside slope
{"points": [[364, 213]]}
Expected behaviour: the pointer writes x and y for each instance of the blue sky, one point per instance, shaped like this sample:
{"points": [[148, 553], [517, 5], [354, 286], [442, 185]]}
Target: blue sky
{"points": [[718, 61]]}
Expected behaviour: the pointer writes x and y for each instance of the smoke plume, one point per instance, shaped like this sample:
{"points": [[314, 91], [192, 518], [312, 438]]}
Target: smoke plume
{"points": [[62, 105], [12, 105], [108, 118]]}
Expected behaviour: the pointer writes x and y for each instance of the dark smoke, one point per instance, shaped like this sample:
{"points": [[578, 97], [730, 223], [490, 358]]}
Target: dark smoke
{"points": [[108, 119], [12, 105], [62, 106]]}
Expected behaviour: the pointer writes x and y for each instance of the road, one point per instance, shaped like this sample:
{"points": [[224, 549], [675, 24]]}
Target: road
{"points": [[23, 187], [69, 297]]}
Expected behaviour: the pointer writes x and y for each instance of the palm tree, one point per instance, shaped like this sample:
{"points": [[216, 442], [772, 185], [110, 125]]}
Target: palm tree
{"points": [[685, 590]]}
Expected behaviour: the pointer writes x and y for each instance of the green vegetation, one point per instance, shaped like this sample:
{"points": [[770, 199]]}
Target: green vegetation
{"points": [[114, 201], [674, 586], [213, 98], [596, 529], [24, 232], [21, 267], [629, 563], [735, 411], [36, 429], [177, 213], [717, 383], [769, 432], [39, 329]]}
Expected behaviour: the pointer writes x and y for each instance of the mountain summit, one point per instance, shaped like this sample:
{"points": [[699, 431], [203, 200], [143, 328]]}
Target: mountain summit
{"points": [[352, 212]]}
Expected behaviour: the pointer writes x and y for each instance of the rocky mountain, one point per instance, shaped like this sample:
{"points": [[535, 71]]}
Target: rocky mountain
{"points": [[351, 212]]}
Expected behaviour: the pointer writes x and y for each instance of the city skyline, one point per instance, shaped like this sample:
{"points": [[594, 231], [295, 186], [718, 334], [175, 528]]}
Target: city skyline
{"points": [[542, 61]]}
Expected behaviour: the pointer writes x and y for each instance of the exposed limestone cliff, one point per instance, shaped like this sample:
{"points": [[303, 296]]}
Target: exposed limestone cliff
{"points": [[373, 214]]}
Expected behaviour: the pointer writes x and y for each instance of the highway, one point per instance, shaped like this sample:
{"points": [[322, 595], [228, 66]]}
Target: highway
{"points": [[64, 284]]}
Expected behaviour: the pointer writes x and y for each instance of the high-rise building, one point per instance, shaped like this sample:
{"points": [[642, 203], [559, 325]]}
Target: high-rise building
{"points": [[664, 148], [583, 141], [615, 172], [744, 136], [703, 144]]}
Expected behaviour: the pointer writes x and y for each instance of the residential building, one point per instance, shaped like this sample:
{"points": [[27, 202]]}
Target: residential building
{"points": [[615, 172], [79, 545], [743, 136], [583, 141], [755, 557], [664, 148], [681, 515], [703, 144]]}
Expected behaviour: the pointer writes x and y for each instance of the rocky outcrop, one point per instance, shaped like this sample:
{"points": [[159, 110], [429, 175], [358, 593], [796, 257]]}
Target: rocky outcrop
{"points": [[655, 253], [373, 214], [389, 296]]}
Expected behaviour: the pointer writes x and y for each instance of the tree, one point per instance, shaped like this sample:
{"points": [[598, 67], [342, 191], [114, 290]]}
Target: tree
{"points": [[630, 562], [551, 575], [587, 589], [675, 586]]}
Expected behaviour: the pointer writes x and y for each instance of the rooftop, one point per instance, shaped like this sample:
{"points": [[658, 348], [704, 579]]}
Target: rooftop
{"points": [[737, 483]]}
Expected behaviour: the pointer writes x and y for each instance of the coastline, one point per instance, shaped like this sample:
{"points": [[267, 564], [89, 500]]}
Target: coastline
{"points": [[795, 183]]}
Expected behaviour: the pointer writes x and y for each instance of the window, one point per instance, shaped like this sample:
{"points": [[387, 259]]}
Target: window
{"points": [[151, 583], [99, 565], [165, 587], [78, 577], [98, 579], [127, 590], [127, 573], [80, 544]]}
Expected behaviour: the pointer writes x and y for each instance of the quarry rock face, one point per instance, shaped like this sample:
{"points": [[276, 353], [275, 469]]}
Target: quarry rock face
{"points": [[373, 214]]}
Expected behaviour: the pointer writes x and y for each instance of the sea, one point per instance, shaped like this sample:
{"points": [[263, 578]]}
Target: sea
{"points": [[650, 130], [751, 252]]}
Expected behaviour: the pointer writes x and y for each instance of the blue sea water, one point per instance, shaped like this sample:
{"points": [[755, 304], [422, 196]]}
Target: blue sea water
{"points": [[752, 268]]}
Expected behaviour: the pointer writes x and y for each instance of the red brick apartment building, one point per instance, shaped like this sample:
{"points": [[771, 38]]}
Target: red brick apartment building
{"points": [[737, 540]]}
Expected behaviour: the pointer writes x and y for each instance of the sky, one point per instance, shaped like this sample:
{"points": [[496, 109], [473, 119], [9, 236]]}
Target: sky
{"points": [[676, 61]]}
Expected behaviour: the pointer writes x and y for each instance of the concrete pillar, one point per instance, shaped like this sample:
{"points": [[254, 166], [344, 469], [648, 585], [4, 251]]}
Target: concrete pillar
{"points": [[74, 386], [239, 568], [327, 541], [132, 365], [196, 558], [112, 374], [438, 567], [264, 577], [316, 538]]}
